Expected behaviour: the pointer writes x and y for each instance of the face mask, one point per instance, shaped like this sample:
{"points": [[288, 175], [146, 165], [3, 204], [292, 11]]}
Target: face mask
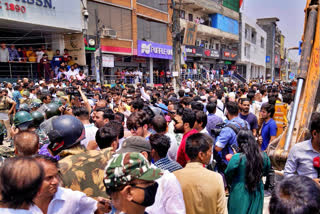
{"points": [[149, 195]]}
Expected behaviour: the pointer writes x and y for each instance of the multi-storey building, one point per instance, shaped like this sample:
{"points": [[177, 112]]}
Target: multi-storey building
{"points": [[215, 27], [135, 34], [274, 47], [252, 49]]}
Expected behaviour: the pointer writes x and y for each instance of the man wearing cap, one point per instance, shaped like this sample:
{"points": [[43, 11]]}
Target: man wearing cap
{"points": [[130, 181], [169, 197]]}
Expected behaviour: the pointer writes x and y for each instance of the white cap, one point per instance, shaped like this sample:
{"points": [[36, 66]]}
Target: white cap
{"points": [[187, 90]]}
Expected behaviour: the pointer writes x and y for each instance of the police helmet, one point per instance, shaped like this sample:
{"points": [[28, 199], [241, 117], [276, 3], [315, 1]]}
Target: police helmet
{"points": [[66, 132]]}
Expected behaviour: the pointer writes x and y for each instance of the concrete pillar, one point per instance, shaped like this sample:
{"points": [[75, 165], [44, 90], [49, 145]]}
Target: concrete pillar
{"points": [[58, 42], [248, 72], [151, 70]]}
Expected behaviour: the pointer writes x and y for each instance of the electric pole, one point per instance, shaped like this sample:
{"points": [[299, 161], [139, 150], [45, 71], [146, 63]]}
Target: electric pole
{"points": [[99, 57], [176, 40]]}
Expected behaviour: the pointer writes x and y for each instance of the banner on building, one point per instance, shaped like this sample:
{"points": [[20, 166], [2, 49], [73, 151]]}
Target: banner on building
{"points": [[154, 50], [231, 55], [190, 34], [107, 61], [75, 45]]}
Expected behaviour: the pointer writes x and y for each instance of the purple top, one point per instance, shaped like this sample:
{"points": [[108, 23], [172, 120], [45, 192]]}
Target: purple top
{"points": [[44, 151]]}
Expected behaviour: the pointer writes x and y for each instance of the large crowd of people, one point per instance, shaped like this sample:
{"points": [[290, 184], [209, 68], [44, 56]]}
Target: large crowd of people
{"points": [[73, 145]]}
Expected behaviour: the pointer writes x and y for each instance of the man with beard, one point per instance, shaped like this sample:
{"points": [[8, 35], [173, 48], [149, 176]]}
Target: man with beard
{"points": [[52, 198], [185, 120], [137, 124], [102, 116], [248, 116]]}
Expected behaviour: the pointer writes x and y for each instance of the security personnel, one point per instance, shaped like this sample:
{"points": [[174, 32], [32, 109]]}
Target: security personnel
{"points": [[7, 107], [65, 137], [38, 118]]}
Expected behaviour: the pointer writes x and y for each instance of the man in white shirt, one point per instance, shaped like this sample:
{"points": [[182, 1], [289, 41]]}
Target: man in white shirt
{"points": [[55, 199], [90, 129], [72, 72]]}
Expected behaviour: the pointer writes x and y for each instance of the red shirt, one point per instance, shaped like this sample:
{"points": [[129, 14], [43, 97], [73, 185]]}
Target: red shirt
{"points": [[182, 156]]}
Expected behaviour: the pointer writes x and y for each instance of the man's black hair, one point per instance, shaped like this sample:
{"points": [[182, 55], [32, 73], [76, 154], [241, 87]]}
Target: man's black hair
{"points": [[269, 108], [211, 107], [232, 108], [315, 122], [201, 117], [105, 136], [47, 159], [242, 100], [137, 104], [181, 93], [296, 195], [119, 116], [220, 94], [81, 112], [197, 106], [189, 116], [160, 143], [197, 143], [159, 124], [107, 113]]}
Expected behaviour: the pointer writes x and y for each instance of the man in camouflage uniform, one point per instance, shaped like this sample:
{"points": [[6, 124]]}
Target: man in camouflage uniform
{"points": [[80, 169], [6, 110], [38, 118], [128, 174]]}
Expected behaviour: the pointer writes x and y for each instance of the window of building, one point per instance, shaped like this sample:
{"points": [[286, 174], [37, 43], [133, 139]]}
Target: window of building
{"points": [[152, 31], [254, 37], [247, 50], [190, 17], [111, 17], [183, 14], [155, 4], [262, 42]]}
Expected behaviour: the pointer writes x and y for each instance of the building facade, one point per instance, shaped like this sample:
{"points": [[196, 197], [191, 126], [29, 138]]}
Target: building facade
{"points": [[211, 34], [134, 35], [252, 49], [274, 47], [40, 24]]}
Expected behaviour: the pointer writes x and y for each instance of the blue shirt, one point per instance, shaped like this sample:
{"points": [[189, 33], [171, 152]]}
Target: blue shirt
{"points": [[167, 164], [268, 129], [228, 137], [300, 160], [16, 96], [212, 122]]}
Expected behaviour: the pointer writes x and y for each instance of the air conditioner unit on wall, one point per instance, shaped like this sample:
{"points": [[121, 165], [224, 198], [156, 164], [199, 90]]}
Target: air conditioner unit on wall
{"points": [[107, 32]]}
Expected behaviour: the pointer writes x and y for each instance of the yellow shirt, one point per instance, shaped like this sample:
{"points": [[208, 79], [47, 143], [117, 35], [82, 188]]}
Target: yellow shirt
{"points": [[32, 57], [50, 55], [203, 190]]}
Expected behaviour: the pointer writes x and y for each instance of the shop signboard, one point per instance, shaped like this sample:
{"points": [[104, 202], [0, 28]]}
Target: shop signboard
{"points": [[107, 61], [190, 34], [154, 50], [229, 55], [75, 45], [52, 13], [194, 51], [210, 53]]}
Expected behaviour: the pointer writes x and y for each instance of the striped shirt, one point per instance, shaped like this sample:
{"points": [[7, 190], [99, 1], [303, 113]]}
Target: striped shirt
{"points": [[167, 164]]}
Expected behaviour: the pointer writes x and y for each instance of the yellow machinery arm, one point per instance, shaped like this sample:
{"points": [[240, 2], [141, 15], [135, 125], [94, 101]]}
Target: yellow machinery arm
{"points": [[307, 88]]}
